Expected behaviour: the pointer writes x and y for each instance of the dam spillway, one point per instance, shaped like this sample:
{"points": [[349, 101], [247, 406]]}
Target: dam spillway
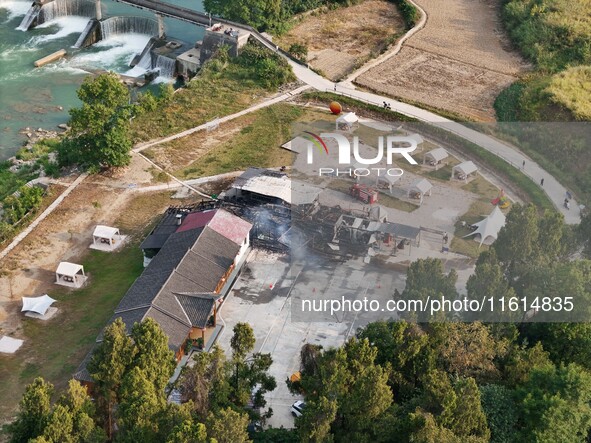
{"points": [[113, 26]]}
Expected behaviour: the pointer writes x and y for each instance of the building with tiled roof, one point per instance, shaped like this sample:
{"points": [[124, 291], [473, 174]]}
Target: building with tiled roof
{"points": [[193, 269]]}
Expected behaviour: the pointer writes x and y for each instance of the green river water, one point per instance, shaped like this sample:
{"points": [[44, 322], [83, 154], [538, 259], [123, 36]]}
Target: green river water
{"points": [[40, 97]]}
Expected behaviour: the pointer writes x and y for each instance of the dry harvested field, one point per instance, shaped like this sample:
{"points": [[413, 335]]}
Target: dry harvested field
{"points": [[459, 62], [338, 40]]}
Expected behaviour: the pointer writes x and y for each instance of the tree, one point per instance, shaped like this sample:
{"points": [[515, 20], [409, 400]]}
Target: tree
{"points": [[369, 395], [488, 281], [108, 366], [205, 383], [17, 206], [527, 243], [466, 349], [346, 394], [521, 360], [584, 233], [246, 374], [499, 406], [152, 353], [60, 426], [257, 13], [227, 426], [316, 420], [425, 279], [34, 412], [405, 346], [565, 342], [188, 432], [456, 406], [243, 341], [428, 431], [299, 51], [555, 405], [99, 130], [138, 408]]}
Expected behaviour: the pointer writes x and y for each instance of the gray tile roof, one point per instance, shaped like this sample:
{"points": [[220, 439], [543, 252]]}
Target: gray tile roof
{"points": [[82, 373], [198, 307], [176, 331]]}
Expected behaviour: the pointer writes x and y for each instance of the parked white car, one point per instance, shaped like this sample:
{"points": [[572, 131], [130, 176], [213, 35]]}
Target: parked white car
{"points": [[297, 408]]}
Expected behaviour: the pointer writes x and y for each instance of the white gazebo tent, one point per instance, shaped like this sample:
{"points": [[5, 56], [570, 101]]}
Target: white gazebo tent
{"points": [[70, 275], [489, 228], [417, 138], [106, 238], [435, 157], [387, 181], [346, 122], [419, 188], [463, 170], [39, 305]]}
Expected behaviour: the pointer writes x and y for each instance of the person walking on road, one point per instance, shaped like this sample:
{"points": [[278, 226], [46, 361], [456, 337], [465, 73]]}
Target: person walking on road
{"points": [[523, 165], [542, 182]]}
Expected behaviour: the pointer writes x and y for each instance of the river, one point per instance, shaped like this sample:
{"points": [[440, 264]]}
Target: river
{"points": [[41, 97]]}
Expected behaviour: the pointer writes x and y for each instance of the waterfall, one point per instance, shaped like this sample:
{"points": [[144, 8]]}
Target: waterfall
{"points": [[127, 25], [29, 18], [65, 8], [146, 60], [166, 66]]}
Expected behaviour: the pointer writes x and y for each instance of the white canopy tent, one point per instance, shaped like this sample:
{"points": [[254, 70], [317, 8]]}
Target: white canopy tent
{"points": [[418, 138], [39, 305], [435, 157], [489, 227], [346, 121], [419, 188], [105, 237], [70, 274], [387, 181], [464, 170]]}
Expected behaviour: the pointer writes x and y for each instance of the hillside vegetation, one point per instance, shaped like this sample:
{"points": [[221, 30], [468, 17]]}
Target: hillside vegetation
{"points": [[556, 36], [572, 90]]}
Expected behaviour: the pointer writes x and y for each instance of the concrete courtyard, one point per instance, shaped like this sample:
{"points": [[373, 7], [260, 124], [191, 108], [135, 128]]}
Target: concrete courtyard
{"points": [[269, 295]]}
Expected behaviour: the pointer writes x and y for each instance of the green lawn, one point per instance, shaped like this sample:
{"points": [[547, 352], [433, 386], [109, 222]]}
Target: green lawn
{"points": [[54, 349], [257, 144]]}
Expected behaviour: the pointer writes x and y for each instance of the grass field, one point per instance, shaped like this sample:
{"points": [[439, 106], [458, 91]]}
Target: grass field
{"points": [[340, 39], [55, 348], [257, 143]]}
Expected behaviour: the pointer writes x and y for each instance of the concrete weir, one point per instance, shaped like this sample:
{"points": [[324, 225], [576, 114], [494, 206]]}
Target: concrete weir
{"points": [[43, 11], [97, 30]]}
